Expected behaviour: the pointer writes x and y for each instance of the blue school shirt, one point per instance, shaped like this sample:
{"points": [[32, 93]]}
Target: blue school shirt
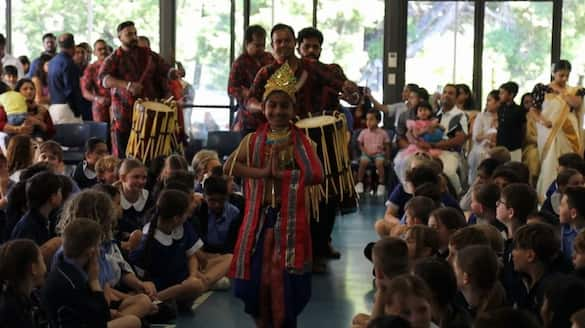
{"points": [[167, 262], [568, 235], [33, 225], [218, 228]]}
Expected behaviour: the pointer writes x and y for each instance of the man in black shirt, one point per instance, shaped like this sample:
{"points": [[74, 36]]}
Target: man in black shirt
{"points": [[511, 121]]}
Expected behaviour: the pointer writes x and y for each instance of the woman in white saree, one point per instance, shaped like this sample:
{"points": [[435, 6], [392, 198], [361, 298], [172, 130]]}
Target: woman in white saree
{"points": [[559, 114]]}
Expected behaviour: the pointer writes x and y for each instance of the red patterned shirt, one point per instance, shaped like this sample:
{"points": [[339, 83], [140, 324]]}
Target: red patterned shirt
{"points": [[330, 97], [309, 99], [242, 75], [136, 65], [90, 82]]}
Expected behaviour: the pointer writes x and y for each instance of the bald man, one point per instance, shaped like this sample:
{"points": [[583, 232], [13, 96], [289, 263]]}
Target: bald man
{"points": [[67, 102]]}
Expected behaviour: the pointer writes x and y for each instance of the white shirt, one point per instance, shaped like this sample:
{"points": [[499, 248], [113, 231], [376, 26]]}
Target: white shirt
{"points": [[447, 117]]}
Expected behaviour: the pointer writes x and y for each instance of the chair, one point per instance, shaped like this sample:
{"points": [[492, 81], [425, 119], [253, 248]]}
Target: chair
{"points": [[223, 142], [98, 130], [72, 137]]}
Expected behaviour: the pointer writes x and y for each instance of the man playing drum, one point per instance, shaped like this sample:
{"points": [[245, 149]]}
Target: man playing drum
{"points": [[132, 72]]}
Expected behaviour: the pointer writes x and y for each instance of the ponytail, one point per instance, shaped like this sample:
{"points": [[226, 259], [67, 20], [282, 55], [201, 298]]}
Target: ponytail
{"points": [[171, 204], [146, 255]]}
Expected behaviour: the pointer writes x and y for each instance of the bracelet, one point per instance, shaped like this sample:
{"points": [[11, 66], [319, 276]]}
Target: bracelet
{"points": [[128, 85]]}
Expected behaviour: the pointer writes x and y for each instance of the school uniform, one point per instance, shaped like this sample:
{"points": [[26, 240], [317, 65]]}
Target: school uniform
{"points": [[166, 263], [69, 300], [84, 176], [134, 214], [512, 280], [219, 234], [473, 219], [21, 312], [568, 235], [34, 226]]}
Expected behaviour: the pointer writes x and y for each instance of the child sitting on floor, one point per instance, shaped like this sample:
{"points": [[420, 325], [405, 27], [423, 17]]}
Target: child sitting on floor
{"points": [[565, 178], [135, 200], [536, 246], [572, 217], [84, 173], [73, 295], [390, 258], [422, 242], [106, 169], [483, 206], [476, 269], [167, 252], [446, 221]]}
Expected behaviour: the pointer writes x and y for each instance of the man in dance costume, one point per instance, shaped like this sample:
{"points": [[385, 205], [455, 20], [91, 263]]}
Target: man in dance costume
{"points": [[132, 72], [272, 257]]}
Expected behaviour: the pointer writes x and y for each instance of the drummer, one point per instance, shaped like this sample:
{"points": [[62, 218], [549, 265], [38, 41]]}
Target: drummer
{"points": [[312, 76], [309, 42], [132, 72]]}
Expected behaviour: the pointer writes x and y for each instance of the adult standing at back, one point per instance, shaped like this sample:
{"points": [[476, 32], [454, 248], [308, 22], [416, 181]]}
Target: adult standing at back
{"points": [[132, 72], [92, 88], [50, 46], [558, 108], [63, 79], [242, 75]]}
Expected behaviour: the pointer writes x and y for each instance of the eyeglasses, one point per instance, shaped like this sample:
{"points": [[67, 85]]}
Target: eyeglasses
{"points": [[499, 202]]}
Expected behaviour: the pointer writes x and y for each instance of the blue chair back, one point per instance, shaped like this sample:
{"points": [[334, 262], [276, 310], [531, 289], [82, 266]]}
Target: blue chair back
{"points": [[98, 130], [72, 137], [72, 134]]}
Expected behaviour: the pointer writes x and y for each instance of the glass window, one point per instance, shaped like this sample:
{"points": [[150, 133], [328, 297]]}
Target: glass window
{"points": [[573, 39], [33, 18], [203, 46], [517, 44], [354, 39], [439, 43], [296, 13]]}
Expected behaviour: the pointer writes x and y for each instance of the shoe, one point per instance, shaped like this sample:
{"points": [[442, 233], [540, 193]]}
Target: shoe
{"points": [[222, 284], [359, 188], [381, 191]]}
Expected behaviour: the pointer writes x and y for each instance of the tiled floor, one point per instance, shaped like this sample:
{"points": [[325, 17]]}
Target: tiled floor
{"points": [[337, 296]]}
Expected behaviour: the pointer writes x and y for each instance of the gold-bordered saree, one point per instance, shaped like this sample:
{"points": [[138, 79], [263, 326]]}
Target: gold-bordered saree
{"points": [[565, 135]]}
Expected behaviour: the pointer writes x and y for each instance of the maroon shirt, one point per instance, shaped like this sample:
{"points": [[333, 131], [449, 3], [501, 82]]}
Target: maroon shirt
{"points": [[90, 81], [242, 75], [309, 99], [136, 65]]}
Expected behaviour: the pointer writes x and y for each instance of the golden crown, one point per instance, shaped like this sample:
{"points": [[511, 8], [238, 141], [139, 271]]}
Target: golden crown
{"points": [[282, 80]]}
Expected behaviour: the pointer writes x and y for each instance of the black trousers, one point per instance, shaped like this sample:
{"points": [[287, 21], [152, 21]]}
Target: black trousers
{"points": [[322, 227], [119, 143]]}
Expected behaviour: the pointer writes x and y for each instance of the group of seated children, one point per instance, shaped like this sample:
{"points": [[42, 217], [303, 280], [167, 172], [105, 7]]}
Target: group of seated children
{"points": [[495, 259], [118, 254]]}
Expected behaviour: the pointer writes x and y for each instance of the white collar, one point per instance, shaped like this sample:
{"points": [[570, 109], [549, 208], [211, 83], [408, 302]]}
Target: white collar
{"points": [[138, 205], [163, 238], [15, 176], [89, 173]]}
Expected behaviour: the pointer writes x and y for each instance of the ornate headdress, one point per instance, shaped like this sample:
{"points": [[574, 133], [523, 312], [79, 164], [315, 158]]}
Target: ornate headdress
{"points": [[282, 80]]}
